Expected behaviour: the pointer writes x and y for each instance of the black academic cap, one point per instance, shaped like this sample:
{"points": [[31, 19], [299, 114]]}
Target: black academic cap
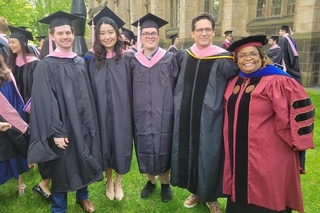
{"points": [[106, 12], [128, 33], [150, 20], [41, 37], [285, 27], [274, 37], [256, 40], [59, 18], [228, 32], [173, 36], [20, 33]]}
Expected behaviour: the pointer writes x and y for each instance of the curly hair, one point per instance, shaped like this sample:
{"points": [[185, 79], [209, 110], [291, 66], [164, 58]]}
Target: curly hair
{"points": [[4, 72], [265, 59], [99, 49], [201, 16]]}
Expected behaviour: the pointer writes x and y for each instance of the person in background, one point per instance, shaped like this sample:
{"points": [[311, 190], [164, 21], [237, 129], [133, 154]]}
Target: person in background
{"points": [[41, 40], [174, 43], [290, 53], [228, 38], [197, 149], [268, 119], [4, 47], [64, 126], [13, 145], [154, 73], [127, 36], [274, 52]]}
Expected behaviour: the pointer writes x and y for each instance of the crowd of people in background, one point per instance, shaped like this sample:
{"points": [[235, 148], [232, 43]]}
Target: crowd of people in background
{"points": [[228, 121]]}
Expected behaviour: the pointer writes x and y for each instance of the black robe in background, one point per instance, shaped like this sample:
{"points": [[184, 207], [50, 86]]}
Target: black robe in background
{"points": [[275, 55], [197, 147], [291, 61], [24, 78], [153, 113], [63, 106], [112, 89]]}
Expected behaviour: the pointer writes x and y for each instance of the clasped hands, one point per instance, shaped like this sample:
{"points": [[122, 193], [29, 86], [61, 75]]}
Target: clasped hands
{"points": [[62, 143]]}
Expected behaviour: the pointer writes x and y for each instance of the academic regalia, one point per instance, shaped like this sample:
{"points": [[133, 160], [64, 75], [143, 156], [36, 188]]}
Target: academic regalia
{"points": [[112, 89], [63, 107], [197, 150], [275, 54], [268, 119], [226, 44], [89, 55], [13, 145], [291, 59], [172, 49]]}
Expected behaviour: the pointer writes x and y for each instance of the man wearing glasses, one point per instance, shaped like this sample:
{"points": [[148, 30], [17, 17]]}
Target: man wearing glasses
{"points": [[197, 146], [228, 39], [154, 73]]}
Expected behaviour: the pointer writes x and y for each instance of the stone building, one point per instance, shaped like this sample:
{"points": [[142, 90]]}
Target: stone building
{"points": [[244, 17]]}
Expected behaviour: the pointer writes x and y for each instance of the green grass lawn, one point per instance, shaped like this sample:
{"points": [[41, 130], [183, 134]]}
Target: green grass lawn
{"points": [[133, 182]]}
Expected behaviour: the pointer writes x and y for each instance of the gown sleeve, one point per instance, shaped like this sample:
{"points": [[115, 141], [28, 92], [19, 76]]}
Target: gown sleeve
{"points": [[294, 113]]}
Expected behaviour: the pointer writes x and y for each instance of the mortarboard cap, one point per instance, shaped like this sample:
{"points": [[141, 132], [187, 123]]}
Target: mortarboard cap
{"points": [[106, 12], [128, 33], [228, 32], [20, 33], [41, 37], [274, 37], [256, 40], [23, 27], [150, 20], [59, 18], [285, 27], [173, 36]]}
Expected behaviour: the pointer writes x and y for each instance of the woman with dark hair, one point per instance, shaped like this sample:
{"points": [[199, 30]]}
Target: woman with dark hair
{"points": [[268, 119], [13, 161], [21, 61], [111, 82]]}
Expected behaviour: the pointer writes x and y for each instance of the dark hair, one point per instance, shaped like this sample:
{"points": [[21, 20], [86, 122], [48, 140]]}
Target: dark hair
{"points": [[12, 56], [173, 39], [201, 16], [4, 72], [100, 51], [45, 48], [265, 59]]}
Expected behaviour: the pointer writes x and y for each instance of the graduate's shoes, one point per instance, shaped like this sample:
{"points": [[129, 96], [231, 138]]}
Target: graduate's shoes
{"points": [[214, 207], [21, 188], [166, 193], [110, 191], [191, 201], [86, 205], [147, 189], [39, 190], [118, 192]]}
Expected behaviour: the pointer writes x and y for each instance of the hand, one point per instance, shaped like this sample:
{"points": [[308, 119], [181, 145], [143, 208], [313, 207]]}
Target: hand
{"points": [[4, 126], [62, 143]]}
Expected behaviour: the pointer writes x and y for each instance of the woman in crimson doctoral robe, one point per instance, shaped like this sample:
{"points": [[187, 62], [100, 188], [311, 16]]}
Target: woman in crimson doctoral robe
{"points": [[268, 120]]}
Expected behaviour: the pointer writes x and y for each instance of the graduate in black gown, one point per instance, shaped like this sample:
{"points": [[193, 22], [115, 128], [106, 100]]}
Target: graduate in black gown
{"points": [[154, 76], [4, 48], [174, 42], [64, 127], [275, 52], [111, 81]]}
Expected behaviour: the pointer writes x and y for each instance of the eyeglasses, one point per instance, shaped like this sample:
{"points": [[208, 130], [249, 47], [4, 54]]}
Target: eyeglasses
{"points": [[146, 34], [199, 31], [251, 55]]}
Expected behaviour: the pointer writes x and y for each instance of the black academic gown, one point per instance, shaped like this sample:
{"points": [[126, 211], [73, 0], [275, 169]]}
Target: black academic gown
{"points": [[63, 106], [112, 89], [275, 55], [197, 147], [24, 78], [291, 61], [172, 49], [153, 89]]}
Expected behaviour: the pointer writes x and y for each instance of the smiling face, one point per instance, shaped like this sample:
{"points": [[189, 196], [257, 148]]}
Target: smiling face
{"points": [[249, 59], [108, 37], [63, 37], [150, 38], [15, 46], [203, 33]]}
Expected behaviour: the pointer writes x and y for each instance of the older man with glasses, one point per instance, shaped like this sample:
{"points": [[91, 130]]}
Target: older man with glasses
{"points": [[197, 150]]}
